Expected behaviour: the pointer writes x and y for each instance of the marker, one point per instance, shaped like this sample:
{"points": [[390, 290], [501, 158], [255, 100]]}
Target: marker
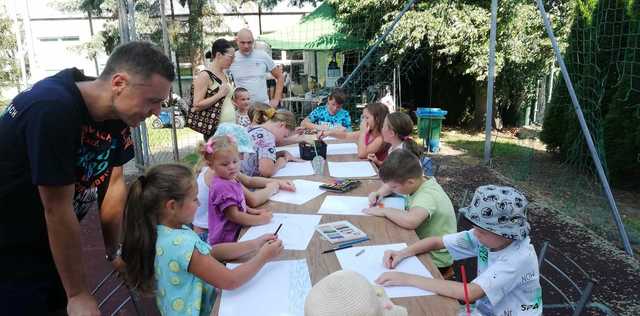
{"points": [[355, 241], [338, 248], [277, 230], [360, 252]]}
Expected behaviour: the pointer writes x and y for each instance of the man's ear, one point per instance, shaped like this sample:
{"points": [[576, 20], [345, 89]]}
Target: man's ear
{"points": [[119, 81]]}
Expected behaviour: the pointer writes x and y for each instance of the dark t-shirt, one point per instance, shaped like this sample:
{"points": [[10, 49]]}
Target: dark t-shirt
{"points": [[48, 138]]}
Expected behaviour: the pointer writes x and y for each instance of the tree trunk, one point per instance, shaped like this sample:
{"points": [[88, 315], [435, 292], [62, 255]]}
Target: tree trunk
{"points": [[480, 97], [195, 33]]}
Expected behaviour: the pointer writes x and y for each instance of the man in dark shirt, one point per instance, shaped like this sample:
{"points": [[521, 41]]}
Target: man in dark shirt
{"points": [[61, 142]]}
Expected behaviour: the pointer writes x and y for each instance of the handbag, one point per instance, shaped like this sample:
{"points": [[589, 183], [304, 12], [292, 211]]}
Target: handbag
{"points": [[206, 121]]}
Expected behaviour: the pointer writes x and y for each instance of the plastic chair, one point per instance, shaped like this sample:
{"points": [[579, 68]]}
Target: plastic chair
{"points": [[581, 294], [107, 302]]}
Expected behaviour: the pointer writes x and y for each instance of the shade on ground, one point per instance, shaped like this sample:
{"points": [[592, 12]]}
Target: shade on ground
{"points": [[316, 31]]}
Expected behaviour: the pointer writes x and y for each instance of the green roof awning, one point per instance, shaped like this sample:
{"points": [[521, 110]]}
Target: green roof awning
{"points": [[316, 31]]}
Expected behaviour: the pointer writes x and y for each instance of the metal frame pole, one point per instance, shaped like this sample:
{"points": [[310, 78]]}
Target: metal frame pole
{"points": [[373, 48], [167, 51], [490, 79], [585, 132]]}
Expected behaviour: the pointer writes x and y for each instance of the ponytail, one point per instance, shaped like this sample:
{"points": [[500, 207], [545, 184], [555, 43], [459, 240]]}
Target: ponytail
{"points": [[401, 124], [260, 113], [145, 205]]}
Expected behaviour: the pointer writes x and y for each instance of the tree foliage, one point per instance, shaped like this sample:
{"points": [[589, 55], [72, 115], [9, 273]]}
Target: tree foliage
{"points": [[457, 34], [9, 71]]}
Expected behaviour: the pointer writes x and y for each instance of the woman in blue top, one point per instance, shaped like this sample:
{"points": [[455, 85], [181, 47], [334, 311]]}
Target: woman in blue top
{"points": [[331, 115]]}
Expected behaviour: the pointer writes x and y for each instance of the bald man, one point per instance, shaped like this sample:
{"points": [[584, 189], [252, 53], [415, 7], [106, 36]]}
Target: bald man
{"points": [[250, 68]]}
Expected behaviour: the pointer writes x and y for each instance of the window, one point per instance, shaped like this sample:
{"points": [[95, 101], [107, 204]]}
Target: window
{"points": [[294, 55]]}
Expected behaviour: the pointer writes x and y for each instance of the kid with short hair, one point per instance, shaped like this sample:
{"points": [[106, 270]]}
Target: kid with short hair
{"points": [[508, 281], [429, 209], [242, 100], [166, 258], [331, 115]]}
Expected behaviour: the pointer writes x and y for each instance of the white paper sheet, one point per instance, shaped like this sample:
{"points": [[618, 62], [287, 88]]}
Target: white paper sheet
{"points": [[295, 233], [305, 192], [351, 169], [329, 138], [295, 169], [278, 289], [293, 150], [342, 149], [369, 264], [353, 205]]}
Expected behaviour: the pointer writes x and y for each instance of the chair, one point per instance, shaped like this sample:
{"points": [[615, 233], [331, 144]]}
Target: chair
{"points": [[111, 300], [550, 272]]}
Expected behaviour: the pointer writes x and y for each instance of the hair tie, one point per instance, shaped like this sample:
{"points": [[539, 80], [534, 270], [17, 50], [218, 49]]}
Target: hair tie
{"points": [[208, 147], [270, 112], [142, 179]]}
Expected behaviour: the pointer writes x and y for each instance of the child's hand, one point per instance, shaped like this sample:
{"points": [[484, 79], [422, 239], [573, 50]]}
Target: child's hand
{"points": [[265, 239], [373, 159], [271, 249], [281, 162], [287, 185], [264, 217], [374, 198], [273, 187], [392, 258], [395, 279], [364, 126], [375, 211], [299, 130]]}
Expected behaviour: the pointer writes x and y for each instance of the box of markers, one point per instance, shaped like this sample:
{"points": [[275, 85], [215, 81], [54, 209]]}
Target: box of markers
{"points": [[340, 231]]}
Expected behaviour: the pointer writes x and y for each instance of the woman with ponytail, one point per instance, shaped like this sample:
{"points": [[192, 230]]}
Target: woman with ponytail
{"points": [[166, 258]]}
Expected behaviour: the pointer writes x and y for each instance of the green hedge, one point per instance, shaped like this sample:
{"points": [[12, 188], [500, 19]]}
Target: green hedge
{"points": [[604, 65]]}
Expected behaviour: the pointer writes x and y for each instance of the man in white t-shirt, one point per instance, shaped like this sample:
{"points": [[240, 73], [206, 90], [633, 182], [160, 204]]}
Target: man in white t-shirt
{"points": [[508, 279], [250, 67]]}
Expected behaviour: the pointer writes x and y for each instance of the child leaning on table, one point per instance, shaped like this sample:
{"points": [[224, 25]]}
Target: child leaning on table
{"points": [[429, 209], [508, 276], [262, 188], [166, 258]]}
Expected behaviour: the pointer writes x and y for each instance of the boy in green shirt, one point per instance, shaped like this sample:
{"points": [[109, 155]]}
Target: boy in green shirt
{"points": [[429, 209]]}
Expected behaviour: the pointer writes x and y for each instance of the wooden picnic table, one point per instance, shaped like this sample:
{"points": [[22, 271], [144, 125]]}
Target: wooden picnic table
{"points": [[379, 230]]}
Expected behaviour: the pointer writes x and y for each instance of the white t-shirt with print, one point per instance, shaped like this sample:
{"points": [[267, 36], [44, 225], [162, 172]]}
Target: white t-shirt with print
{"points": [[250, 72], [509, 277]]}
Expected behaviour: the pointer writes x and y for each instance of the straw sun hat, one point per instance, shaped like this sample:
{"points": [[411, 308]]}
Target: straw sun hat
{"points": [[349, 293]]}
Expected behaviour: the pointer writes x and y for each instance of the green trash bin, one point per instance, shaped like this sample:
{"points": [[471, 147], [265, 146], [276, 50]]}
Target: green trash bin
{"points": [[430, 126]]}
